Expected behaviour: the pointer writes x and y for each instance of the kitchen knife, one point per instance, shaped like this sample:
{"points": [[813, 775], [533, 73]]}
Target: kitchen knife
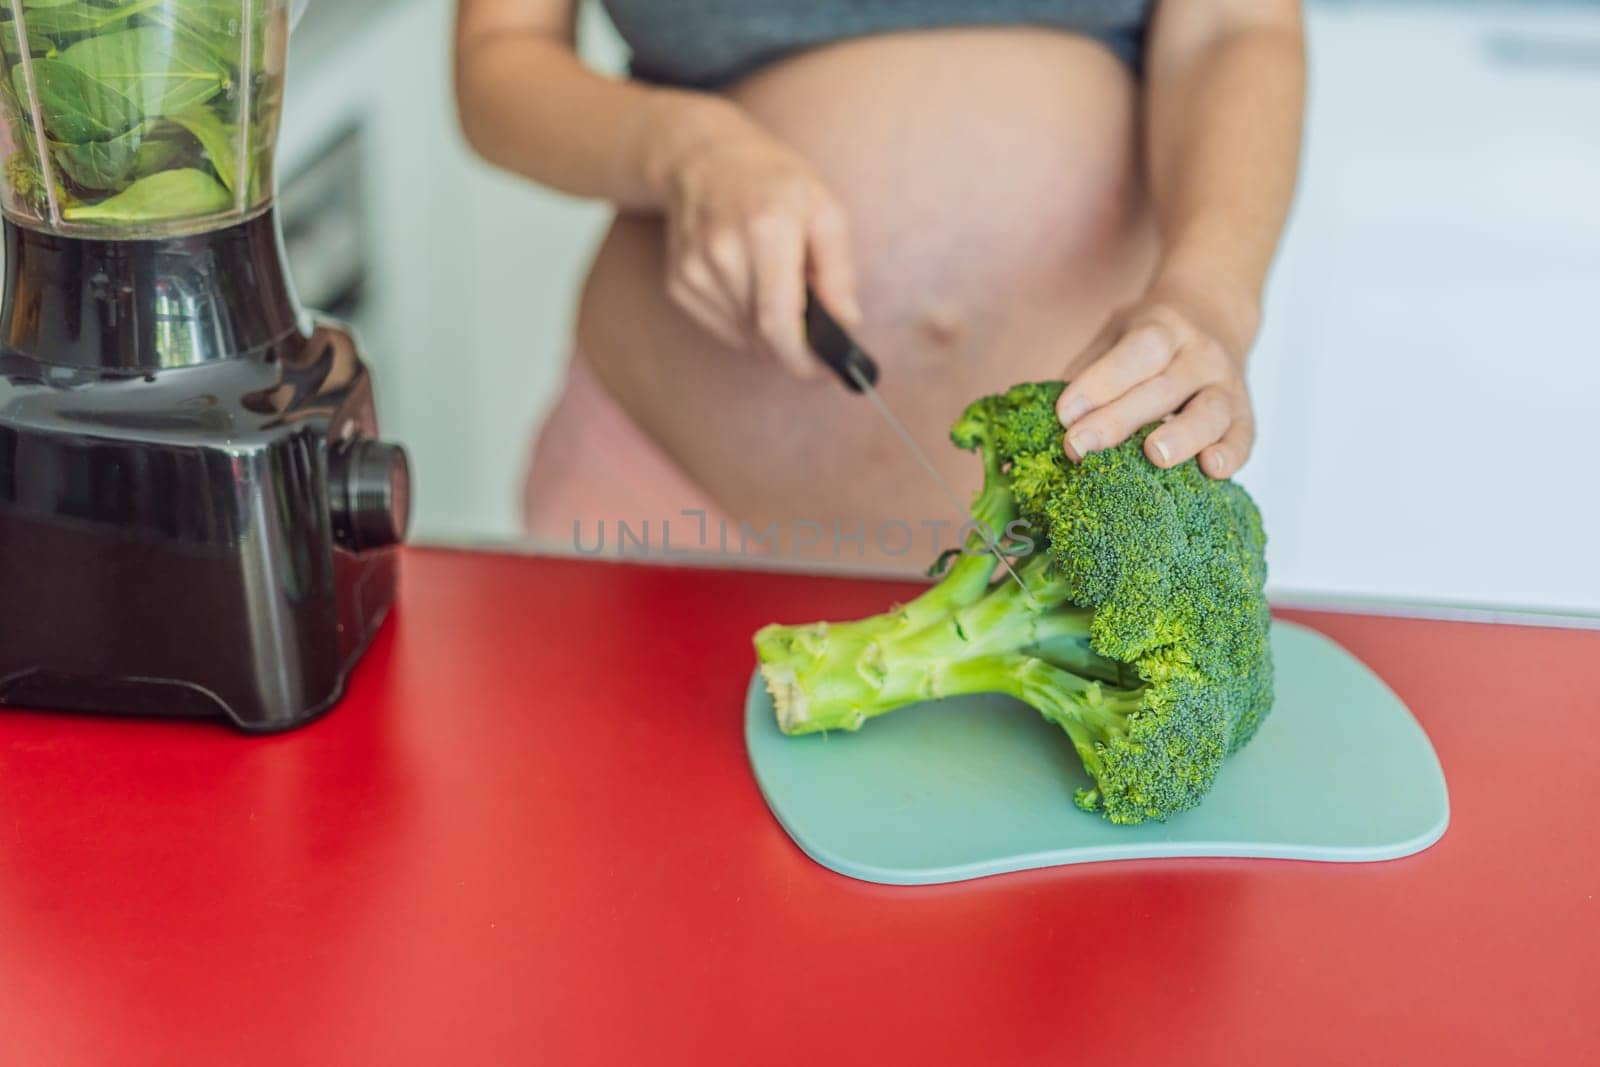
{"points": [[859, 373], [836, 348]]}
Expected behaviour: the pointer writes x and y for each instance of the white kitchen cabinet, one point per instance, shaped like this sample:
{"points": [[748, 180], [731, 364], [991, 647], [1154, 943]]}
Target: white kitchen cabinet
{"points": [[1430, 372]]}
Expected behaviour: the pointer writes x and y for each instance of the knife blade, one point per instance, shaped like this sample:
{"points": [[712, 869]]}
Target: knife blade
{"points": [[859, 372]]}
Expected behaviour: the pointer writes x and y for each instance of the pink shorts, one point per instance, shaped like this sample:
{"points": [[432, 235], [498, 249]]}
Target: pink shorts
{"points": [[592, 464]]}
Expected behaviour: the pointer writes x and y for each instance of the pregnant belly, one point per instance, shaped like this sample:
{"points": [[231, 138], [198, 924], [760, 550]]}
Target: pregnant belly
{"points": [[990, 181]]}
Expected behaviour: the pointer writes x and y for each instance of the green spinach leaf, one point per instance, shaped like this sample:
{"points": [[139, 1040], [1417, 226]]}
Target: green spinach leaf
{"points": [[216, 137], [80, 16], [103, 165], [76, 106], [9, 42], [165, 195], [216, 26], [159, 73], [215, 18]]}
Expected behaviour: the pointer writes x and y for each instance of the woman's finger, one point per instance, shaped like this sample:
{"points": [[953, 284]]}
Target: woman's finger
{"points": [[692, 286], [1223, 459], [730, 261], [1139, 354], [1202, 422], [778, 259], [1111, 424], [1109, 335], [690, 271], [709, 314], [831, 265]]}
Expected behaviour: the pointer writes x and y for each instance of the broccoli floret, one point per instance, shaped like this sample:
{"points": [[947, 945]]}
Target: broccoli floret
{"points": [[1142, 630]]}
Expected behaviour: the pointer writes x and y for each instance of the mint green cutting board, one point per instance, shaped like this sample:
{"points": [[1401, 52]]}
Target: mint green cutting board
{"points": [[973, 786]]}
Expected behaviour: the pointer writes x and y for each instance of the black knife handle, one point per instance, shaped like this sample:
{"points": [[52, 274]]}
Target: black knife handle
{"points": [[836, 348]]}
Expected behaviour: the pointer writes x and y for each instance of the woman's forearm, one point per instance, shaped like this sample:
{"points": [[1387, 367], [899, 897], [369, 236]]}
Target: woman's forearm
{"points": [[1226, 90], [1225, 85], [747, 222], [529, 104]]}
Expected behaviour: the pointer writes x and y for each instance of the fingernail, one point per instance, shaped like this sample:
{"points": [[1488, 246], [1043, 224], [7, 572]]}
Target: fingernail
{"points": [[1083, 442], [1161, 449], [1073, 410], [852, 313], [1219, 461]]}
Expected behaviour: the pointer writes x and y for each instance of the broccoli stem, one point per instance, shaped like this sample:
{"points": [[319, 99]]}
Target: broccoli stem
{"points": [[957, 638]]}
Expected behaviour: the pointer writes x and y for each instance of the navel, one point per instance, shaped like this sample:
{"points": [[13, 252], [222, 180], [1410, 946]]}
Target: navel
{"points": [[942, 325]]}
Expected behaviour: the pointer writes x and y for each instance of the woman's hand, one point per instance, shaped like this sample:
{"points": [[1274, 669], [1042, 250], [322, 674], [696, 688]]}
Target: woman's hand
{"points": [[749, 223], [1174, 356], [1224, 83]]}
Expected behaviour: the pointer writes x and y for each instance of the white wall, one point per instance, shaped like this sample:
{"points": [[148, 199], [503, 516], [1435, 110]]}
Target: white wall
{"points": [[1427, 378], [1430, 373], [476, 272]]}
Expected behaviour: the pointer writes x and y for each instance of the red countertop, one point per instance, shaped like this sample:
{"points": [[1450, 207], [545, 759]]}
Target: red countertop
{"points": [[529, 835]]}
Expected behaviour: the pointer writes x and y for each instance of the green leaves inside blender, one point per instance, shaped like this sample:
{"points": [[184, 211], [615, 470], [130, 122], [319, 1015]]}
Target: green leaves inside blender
{"points": [[167, 194], [129, 91], [159, 72], [77, 107], [216, 137], [80, 16], [113, 163]]}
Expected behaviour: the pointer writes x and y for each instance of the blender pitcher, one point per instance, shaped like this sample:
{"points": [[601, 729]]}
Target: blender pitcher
{"points": [[140, 118], [197, 517]]}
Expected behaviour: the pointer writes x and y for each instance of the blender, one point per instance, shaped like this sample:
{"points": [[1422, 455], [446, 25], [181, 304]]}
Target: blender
{"points": [[197, 517]]}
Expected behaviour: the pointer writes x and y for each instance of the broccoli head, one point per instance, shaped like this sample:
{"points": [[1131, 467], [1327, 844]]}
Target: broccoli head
{"points": [[1140, 627]]}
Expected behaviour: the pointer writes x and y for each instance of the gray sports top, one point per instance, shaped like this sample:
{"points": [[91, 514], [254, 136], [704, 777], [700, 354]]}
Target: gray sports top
{"points": [[709, 43]]}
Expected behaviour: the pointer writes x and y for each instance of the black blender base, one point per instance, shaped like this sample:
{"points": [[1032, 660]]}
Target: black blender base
{"points": [[196, 518], [159, 698], [170, 698], [258, 708]]}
